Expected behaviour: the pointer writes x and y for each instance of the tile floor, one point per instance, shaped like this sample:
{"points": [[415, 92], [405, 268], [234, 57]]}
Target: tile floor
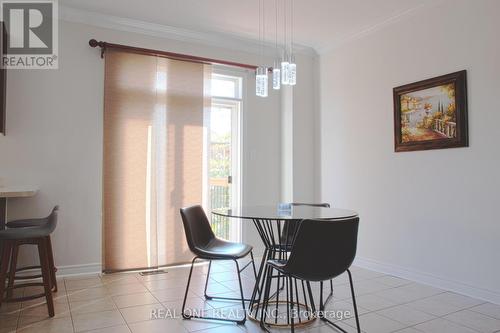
{"points": [[123, 303]]}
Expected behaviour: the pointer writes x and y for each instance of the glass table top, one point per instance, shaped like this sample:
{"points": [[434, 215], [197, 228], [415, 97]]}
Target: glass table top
{"points": [[286, 212]]}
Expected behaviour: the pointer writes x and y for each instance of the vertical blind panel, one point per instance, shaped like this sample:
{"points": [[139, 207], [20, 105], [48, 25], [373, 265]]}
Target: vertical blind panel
{"points": [[153, 154]]}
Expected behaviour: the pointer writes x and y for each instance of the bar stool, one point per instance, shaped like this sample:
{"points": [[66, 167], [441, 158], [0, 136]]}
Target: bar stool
{"points": [[11, 240], [26, 223]]}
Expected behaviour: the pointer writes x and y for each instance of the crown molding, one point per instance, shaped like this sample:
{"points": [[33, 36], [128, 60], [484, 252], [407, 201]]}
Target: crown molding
{"points": [[222, 40], [377, 27]]}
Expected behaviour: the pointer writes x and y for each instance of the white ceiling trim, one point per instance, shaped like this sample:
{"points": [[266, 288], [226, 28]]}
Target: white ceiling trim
{"points": [[227, 41], [379, 26]]}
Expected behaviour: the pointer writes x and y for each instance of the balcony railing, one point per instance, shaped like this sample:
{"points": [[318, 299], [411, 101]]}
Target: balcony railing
{"points": [[219, 199]]}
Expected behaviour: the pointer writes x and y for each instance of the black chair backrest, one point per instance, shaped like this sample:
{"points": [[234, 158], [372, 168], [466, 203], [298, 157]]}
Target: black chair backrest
{"points": [[323, 204], [197, 227], [290, 228], [323, 249]]}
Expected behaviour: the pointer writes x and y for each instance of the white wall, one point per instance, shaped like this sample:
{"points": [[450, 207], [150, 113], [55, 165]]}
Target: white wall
{"points": [[428, 215], [54, 139]]}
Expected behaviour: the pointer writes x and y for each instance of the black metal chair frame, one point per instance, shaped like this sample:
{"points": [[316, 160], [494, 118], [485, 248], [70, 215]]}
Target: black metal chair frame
{"points": [[289, 278], [277, 236], [208, 297]]}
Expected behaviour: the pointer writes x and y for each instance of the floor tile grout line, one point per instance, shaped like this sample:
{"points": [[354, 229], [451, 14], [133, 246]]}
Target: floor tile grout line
{"points": [[406, 304], [121, 314], [467, 309], [69, 306], [484, 314], [451, 321]]}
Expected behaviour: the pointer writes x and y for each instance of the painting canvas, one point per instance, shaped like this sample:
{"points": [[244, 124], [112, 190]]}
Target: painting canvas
{"points": [[431, 114]]}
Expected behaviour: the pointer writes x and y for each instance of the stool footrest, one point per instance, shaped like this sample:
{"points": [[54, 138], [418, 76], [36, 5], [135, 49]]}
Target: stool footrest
{"points": [[27, 268], [23, 285], [24, 298], [28, 277]]}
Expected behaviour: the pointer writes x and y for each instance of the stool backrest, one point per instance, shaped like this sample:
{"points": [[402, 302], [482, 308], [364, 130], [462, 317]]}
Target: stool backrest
{"points": [[197, 227], [323, 249], [52, 220]]}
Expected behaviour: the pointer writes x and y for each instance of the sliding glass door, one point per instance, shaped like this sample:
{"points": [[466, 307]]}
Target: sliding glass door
{"points": [[224, 153]]}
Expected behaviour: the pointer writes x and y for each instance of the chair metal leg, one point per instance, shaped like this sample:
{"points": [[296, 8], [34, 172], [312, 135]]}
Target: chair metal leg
{"points": [[206, 282], [330, 296], [305, 300], [297, 296], [322, 307], [187, 290], [311, 297], [267, 289], [354, 301], [189, 316], [209, 297], [241, 322], [292, 313]]}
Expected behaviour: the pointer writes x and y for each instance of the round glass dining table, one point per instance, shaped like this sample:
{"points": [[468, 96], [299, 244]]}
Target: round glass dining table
{"points": [[277, 226]]}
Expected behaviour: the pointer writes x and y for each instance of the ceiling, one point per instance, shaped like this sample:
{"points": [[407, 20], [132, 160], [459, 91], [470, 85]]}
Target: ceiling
{"points": [[319, 24]]}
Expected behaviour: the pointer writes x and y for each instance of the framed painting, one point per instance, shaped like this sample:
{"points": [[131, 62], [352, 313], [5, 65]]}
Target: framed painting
{"points": [[431, 114]]}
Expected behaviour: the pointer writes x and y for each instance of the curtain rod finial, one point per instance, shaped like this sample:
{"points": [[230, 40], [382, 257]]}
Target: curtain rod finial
{"points": [[95, 43]]}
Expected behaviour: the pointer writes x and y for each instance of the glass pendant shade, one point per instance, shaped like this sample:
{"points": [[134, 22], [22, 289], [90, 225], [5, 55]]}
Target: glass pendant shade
{"points": [[261, 82], [285, 76], [276, 78], [292, 74]]}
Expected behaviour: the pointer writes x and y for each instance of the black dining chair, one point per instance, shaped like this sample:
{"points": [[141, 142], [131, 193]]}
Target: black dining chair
{"points": [[11, 240], [288, 233], [206, 246], [322, 250]]}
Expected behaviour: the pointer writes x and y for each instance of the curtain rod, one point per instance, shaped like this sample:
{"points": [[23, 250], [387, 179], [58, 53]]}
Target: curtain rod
{"points": [[165, 54]]}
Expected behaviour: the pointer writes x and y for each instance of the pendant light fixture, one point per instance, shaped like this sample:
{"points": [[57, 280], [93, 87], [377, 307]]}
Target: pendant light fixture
{"points": [[288, 65], [284, 70], [292, 66], [285, 75], [277, 65], [261, 77]]}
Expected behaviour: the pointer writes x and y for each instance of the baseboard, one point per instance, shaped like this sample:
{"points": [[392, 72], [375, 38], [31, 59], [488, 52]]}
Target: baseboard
{"points": [[429, 279], [75, 270]]}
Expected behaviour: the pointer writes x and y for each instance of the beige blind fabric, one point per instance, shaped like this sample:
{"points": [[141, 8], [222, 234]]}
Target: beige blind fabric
{"points": [[153, 157]]}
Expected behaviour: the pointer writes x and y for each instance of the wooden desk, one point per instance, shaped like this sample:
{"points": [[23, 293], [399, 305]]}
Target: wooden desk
{"points": [[12, 192]]}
